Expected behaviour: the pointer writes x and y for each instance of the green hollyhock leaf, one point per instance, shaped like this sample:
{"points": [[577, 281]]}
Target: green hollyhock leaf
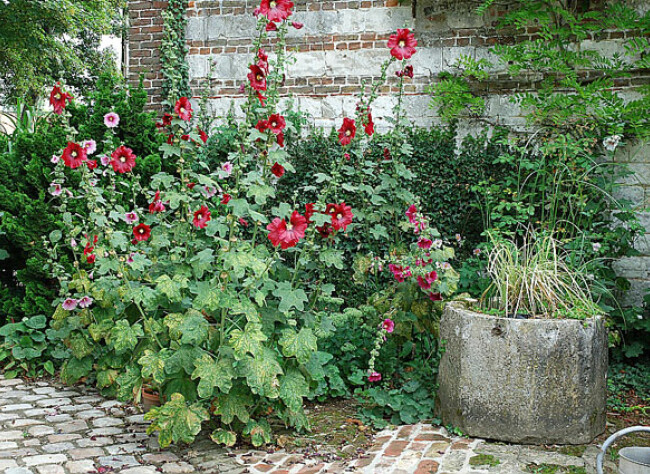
{"points": [[316, 364], [234, 405], [290, 298], [129, 383], [36, 322], [182, 359], [260, 192], [106, 378], [171, 288], [248, 341], [300, 345], [259, 431], [79, 345], [173, 322], [194, 328], [74, 369], [213, 374], [124, 337], [207, 296], [331, 258], [202, 262], [100, 330], [261, 372], [293, 387], [176, 421], [153, 365], [227, 438]]}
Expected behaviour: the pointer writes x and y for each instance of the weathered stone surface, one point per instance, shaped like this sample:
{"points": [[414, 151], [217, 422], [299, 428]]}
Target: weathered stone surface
{"points": [[523, 381]]}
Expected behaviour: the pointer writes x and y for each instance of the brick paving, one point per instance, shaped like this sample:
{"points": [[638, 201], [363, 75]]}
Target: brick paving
{"points": [[47, 428]]}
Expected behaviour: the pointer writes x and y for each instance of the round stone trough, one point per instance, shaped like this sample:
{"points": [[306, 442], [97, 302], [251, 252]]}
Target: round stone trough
{"points": [[531, 381]]}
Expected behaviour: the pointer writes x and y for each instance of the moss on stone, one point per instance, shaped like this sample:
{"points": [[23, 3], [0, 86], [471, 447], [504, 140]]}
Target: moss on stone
{"points": [[484, 460], [554, 469]]}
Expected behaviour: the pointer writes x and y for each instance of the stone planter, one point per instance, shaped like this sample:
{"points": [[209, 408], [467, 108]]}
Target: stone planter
{"points": [[537, 381]]}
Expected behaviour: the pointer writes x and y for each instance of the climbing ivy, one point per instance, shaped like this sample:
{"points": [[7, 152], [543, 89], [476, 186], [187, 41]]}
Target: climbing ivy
{"points": [[173, 51]]}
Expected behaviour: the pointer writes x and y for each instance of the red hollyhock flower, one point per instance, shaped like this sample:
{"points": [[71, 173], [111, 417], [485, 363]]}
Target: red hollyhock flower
{"points": [[185, 137], [341, 215], [270, 26], [297, 25], [325, 230], [435, 296], [369, 127], [278, 170], [183, 109], [74, 155], [276, 10], [91, 258], [412, 213], [141, 232], [257, 77], [400, 273], [277, 123], [58, 99], [280, 139], [191, 185], [170, 139], [408, 71], [374, 377], [123, 159], [243, 222], [201, 218], [263, 60], [203, 135], [347, 131], [262, 99], [167, 119], [225, 199], [285, 234], [309, 211], [402, 45], [262, 125], [91, 164]]}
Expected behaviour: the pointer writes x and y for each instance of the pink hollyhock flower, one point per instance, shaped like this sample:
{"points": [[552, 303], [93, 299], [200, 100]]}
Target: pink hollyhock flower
{"points": [[445, 265], [123, 159], [257, 77], [425, 243], [286, 234], [85, 302], [347, 131], [111, 120], [227, 167], [458, 238], [388, 325], [59, 99], [73, 243], [437, 243], [402, 45], [69, 304], [55, 159], [105, 160], [55, 189], [209, 192], [341, 215], [476, 252], [400, 273], [73, 155], [243, 222], [90, 146], [157, 205], [412, 213], [278, 170], [130, 258], [131, 217], [183, 109], [419, 226], [276, 123], [297, 25], [374, 377], [201, 218], [276, 10], [424, 283], [141, 232]]}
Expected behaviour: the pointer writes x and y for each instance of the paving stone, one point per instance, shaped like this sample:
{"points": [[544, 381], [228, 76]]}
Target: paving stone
{"points": [[58, 418], [53, 402], [58, 447], [40, 430], [80, 467], [140, 470], [95, 441], [107, 421], [10, 435], [18, 470], [60, 438], [16, 407], [177, 468], [94, 413], [8, 445], [45, 459], [81, 453], [24, 422], [7, 463], [158, 458], [88, 399], [117, 462], [32, 442], [71, 426], [51, 469], [106, 431], [128, 448]]}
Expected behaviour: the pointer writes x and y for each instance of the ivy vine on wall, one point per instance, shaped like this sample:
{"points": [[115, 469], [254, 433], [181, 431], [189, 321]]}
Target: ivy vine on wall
{"points": [[173, 52]]}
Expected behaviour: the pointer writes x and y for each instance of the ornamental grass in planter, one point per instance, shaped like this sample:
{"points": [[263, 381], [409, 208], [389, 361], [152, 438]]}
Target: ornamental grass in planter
{"points": [[529, 364]]}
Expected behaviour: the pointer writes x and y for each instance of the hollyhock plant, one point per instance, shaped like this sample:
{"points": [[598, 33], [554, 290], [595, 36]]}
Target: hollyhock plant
{"points": [[90, 146], [55, 189], [183, 109], [369, 127], [123, 160], [131, 217], [374, 377], [111, 120], [201, 218], [388, 325], [225, 199], [341, 215], [402, 45], [70, 304], [276, 123], [227, 168], [85, 302], [74, 155], [156, 205], [347, 131], [59, 99]]}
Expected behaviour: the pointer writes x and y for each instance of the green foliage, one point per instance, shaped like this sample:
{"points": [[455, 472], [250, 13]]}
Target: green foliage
{"points": [[173, 51], [44, 41], [28, 348]]}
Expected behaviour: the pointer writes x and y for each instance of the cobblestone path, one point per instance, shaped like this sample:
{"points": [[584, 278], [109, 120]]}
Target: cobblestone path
{"points": [[46, 428]]}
